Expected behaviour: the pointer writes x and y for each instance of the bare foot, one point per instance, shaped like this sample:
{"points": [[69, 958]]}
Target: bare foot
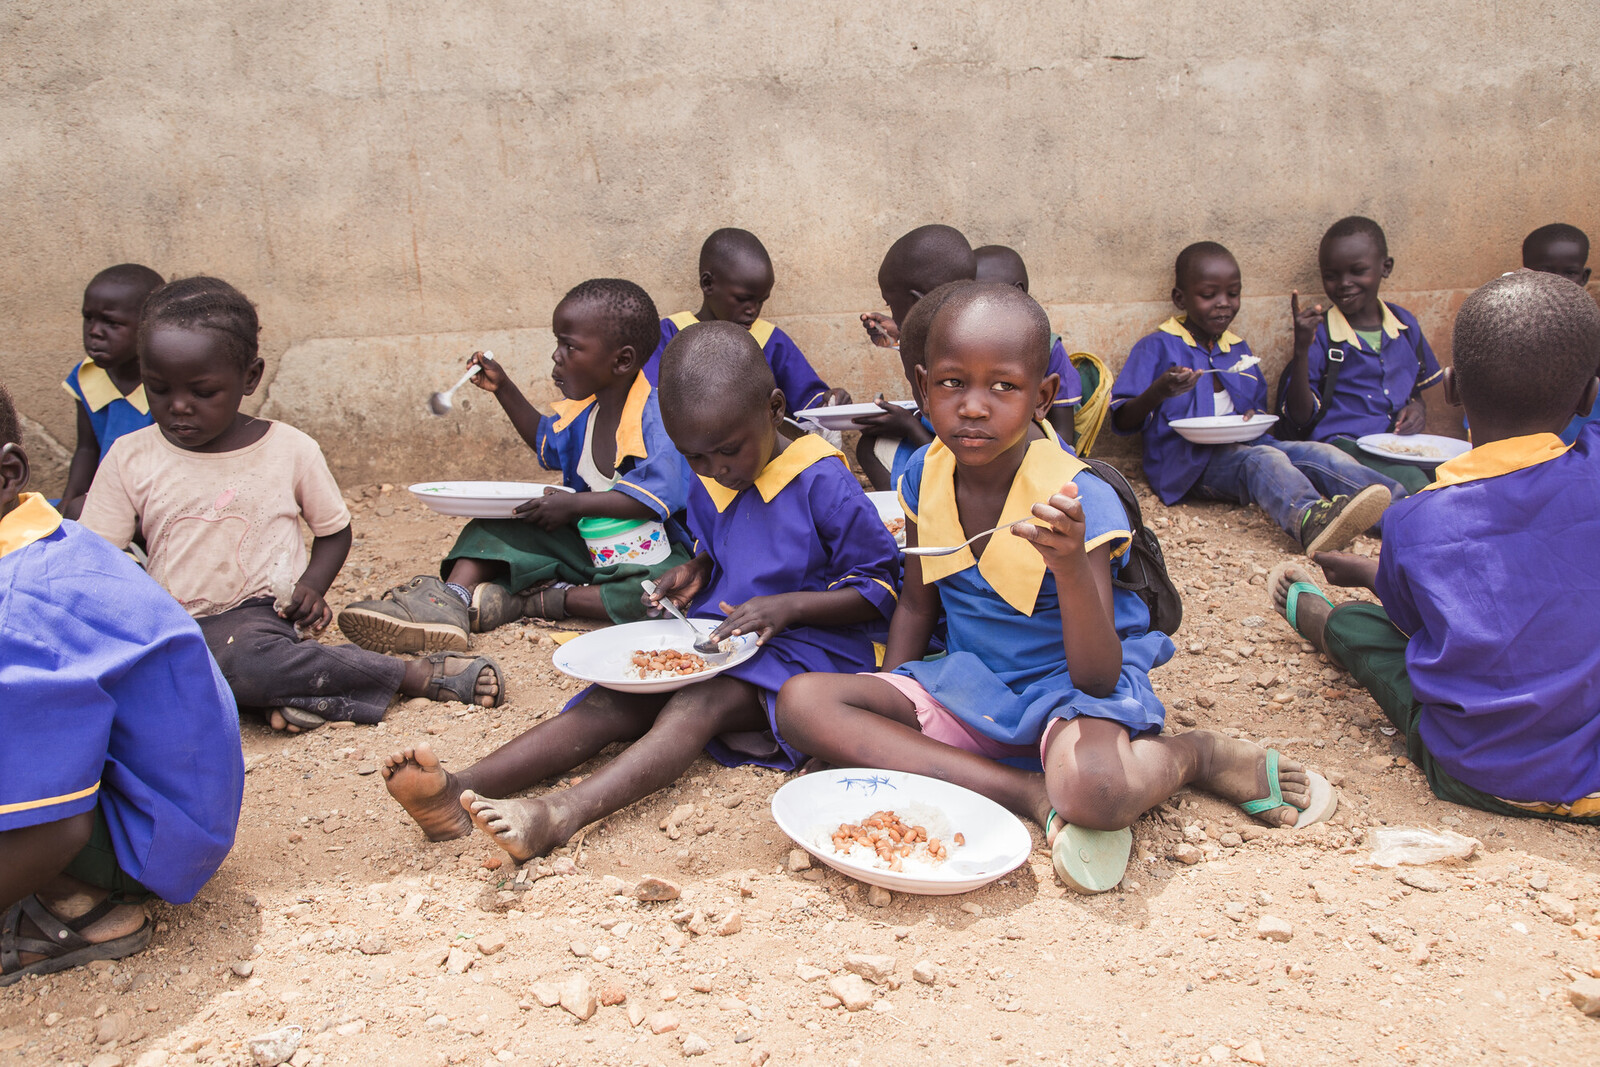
{"points": [[1310, 611], [1237, 771], [524, 828], [276, 720], [429, 793]]}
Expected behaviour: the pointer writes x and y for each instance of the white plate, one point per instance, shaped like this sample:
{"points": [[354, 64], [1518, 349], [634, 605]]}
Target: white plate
{"points": [[844, 416], [481, 500], [810, 808], [1388, 445], [1223, 429], [601, 656], [888, 505]]}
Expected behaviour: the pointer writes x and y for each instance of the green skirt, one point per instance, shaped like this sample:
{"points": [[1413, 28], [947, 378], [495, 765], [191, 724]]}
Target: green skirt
{"points": [[1413, 476], [535, 556]]}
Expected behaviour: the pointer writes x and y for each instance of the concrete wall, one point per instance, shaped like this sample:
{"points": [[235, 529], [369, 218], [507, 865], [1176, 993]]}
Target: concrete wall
{"points": [[396, 183]]}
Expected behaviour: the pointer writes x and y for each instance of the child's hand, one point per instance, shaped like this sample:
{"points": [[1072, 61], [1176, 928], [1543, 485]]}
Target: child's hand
{"points": [[681, 585], [895, 421], [1062, 539], [881, 329], [835, 396], [307, 609], [491, 375], [764, 616], [1413, 418], [1174, 381], [1306, 321], [1347, 569], [549, 512]]}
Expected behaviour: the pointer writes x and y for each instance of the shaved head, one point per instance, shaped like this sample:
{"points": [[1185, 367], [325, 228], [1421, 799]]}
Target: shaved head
{"points": [[1001, 263], [713, 371], [131, 276], [967, 306], [729, 246], [1526, 345], [927, 257]]}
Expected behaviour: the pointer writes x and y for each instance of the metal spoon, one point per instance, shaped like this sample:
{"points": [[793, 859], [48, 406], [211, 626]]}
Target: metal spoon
{"points": [[703, 645], [931, 551], [439, 403]]}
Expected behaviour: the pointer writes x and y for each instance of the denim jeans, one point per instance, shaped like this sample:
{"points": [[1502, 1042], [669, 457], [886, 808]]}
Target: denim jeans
{"points": [[1285, 477]]}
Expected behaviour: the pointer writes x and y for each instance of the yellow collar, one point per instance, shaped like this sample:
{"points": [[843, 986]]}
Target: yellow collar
{"points": [[1011, 565], [779, 471], [31, 519], [99, 390], [1175, 326], [630, 428], [760, 329], [1497, 458], [1340, 332]]}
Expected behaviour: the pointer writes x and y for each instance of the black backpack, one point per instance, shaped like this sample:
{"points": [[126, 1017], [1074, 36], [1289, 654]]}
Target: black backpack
{"points": [[1145, 570], [1289, 430]]}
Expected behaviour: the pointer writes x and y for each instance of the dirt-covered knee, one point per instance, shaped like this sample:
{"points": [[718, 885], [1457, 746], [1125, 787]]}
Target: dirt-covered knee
{"points": [[1094, 798]]}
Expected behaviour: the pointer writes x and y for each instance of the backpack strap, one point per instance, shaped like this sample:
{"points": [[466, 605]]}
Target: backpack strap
{"points": [[1330, 379]]}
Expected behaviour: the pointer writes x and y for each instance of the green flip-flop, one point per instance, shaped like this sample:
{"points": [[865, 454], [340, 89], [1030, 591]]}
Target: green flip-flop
{"points": [[1089, 861], [1291, 602], [1324, 800]]}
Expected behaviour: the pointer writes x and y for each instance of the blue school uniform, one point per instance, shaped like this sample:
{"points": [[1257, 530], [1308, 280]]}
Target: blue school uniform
{"points": [[651, 469], [1070, 392], [1172, 464], [108, 697], [903, 452], [1005, 676], [801, 386], [1490, 572], [805, 526], [110, 413], [1569, 436], [1373, 385]]}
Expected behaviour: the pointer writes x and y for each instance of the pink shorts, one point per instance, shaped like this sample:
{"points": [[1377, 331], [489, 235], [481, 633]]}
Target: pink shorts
{"points": [[941, 724]]}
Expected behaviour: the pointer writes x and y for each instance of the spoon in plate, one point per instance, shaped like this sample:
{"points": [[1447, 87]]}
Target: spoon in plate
{"points": [[703, 644], [440, 403]]}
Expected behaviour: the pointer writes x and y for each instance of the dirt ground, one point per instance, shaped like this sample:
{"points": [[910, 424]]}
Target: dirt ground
{"points": [[1226, 943]]}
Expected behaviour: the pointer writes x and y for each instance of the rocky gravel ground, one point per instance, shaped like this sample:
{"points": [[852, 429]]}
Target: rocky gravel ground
{"points": [[335, 934]]}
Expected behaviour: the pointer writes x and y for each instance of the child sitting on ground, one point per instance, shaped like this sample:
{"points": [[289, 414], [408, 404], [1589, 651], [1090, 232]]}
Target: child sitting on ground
{"points": [[915, 265], [790, 549], [607, 441], [1361, 368], [1049, 660], [1486, 647], [736, 279], [1319, 496], [220, 496], [110, 400], [1564, 251], [1000, 263], [120, 776]]}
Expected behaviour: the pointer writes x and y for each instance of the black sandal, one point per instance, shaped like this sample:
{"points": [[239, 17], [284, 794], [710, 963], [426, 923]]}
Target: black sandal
{"points": [[62, 945], [463, 685], [299, 717]]}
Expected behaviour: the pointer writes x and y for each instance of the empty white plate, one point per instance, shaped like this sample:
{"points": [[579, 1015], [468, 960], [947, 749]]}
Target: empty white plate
{"points": [[844, 416], [1223, 429], [480, 500]]}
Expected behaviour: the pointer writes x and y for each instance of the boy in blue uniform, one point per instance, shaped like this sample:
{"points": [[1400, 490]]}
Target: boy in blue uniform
{"points": [[788, 548], [120, 776], [1486, 647], [1384, 361], [736, 279], [106, 387], [607, 441], [1003, 264], [1562, 250], [1318, 495], [1049, 661]]}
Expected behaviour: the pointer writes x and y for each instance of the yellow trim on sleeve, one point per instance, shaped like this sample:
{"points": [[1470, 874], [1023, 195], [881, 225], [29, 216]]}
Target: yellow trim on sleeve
{"points": [[1110, 535], [887, 587], [1175, 326], [1340, 332], [31, 519], [99, 390], [32, 805], [779, 471], [662, 504], [1497, 458]]}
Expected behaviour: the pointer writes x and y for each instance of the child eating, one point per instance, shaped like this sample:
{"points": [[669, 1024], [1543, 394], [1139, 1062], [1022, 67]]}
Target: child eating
{"points": [[1000, 263], [1049, 660], [790, 549], [607, 441], [106, 388], [736, 279], [1318, 495], [121, 776], [1486, 648], [220, 496], [1361, 368]]}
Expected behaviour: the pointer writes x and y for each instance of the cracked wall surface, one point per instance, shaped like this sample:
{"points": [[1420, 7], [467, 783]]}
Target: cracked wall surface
{"points": [[398, 183]]}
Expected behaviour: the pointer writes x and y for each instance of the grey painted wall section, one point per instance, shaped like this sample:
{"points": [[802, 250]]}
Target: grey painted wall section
{"points": [[398, 183]]}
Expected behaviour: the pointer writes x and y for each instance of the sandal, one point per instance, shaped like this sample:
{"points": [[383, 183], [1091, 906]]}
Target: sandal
{"points": [[62, 945], [298, 717], [1089, 861], [1291, 601], [463, 685], [1323, 803]]}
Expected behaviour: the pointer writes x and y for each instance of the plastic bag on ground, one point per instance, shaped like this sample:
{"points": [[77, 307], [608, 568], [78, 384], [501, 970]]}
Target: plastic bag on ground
{"points": [[1413, 845]]}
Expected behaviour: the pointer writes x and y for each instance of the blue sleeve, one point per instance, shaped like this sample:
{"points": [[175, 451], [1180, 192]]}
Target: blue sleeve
{"points": [[910, 485], [801, 386], [660, 481], [861, 552], [1105, 519], [1147, 362], [1428, 372], [1317, 364], [551, 452], [1071, 390]]}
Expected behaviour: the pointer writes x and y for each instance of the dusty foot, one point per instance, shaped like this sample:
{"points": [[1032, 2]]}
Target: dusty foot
{"points": [[429, 793], [812, 766], [71, 899], [1310, 611], [1237, 771], [524, 828], [421, 673], [276, 720]]}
